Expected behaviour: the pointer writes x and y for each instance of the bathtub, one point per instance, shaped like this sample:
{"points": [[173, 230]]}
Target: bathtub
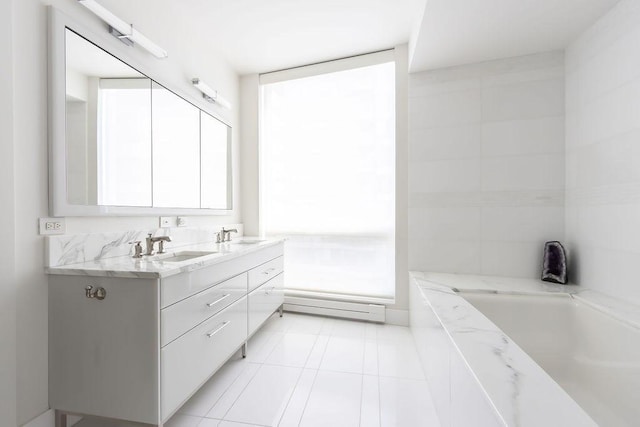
{"points": [[524, 353]]}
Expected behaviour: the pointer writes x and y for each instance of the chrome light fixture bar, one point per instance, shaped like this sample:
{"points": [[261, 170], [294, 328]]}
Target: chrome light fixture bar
{"points": [[123, 31], [210, 94]]}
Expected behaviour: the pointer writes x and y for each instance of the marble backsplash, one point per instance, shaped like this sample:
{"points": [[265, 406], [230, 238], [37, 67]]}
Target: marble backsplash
{"points": [[75, 248]]}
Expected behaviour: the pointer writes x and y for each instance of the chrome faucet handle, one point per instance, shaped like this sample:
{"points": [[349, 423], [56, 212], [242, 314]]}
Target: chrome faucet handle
{"points": [[161, 245], [138, 249], [219, 236]]}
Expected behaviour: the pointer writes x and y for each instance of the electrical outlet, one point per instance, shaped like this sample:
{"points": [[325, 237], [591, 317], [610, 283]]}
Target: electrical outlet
{"points": [[181, 221], [52, 226]]}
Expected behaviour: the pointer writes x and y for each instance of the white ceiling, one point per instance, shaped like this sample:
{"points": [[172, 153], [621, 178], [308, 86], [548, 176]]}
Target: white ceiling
{"points": [[455, 32], [260, 35], [265, 35]]}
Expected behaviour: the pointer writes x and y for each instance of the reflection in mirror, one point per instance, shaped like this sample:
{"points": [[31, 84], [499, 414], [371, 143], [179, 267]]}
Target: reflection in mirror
{"points": [[127, 145], [176, 150], [108, 128], [215, 163]]}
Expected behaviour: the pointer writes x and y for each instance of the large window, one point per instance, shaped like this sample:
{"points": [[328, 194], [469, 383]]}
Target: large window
{"points": [[328, 174]]}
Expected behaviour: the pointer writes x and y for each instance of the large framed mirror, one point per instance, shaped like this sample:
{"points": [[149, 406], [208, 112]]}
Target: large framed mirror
{"points": [[123, 144]]}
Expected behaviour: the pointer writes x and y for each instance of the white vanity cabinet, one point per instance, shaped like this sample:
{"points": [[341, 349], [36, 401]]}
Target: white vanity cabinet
{"points": [[150, 344]]}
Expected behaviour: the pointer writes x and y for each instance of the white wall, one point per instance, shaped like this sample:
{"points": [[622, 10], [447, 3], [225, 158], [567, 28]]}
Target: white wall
{"points": [[402, 178], [7, 223], [486, 165], [603, 153], [249, 152], [189, 56]]}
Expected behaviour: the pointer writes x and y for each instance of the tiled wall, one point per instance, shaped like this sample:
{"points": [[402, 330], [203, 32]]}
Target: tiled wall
{"points": [[486, 165], [603, 153]]}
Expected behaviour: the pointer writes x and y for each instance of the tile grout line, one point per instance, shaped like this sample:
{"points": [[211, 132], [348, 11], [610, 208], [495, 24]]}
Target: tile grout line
{"points": [[302, 369], [379, 402], [361, 399], [226, 388], [306, 401], [378, 381], [315, 377], [241, 391], [364, 357]]}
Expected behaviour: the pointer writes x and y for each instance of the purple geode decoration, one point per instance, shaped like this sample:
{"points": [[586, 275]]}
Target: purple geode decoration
{"points": [[554, 263]]}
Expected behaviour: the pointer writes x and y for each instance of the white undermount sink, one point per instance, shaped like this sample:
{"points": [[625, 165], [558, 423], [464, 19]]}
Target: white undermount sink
{"points": [[247, 242], [183, 256]]}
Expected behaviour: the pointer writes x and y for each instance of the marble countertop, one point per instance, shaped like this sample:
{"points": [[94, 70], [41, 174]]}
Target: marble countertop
{"points": [[154, 267], [520, 390]]}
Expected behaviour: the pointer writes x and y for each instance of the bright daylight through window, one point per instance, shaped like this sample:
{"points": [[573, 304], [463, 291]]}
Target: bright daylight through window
{"points": [[328, 176]]}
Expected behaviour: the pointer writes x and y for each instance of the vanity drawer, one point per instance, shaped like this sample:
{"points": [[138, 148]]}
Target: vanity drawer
{"points": [[264, 301], [264, 272], [180, 286], [178, 318], [190, 360]]}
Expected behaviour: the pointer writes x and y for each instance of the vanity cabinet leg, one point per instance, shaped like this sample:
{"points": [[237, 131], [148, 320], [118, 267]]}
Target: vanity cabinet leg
{"points": [[244, 350], [281, 310], [60, 419]]}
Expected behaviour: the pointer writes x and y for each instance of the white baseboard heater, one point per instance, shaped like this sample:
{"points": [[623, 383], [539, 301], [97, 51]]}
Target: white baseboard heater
{"points": [[328, 307]]}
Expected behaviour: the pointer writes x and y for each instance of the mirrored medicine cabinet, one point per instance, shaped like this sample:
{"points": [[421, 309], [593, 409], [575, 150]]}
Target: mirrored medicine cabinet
{"points": [[123, 144]]}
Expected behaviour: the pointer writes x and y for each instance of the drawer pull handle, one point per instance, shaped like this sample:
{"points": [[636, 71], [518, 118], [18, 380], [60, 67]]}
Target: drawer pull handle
{"points": [[268, 291], [218, 329], [211, 304], [269, 270]]}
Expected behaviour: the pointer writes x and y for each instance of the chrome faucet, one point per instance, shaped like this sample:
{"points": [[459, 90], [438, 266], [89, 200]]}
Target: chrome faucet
{"points": [[224, 235], [151, 240]]}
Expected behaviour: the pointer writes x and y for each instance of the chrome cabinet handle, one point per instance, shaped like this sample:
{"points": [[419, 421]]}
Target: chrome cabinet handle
{"points": [[211, 304], [269, 270], [99, 294], [268, 291], [218, 329]]}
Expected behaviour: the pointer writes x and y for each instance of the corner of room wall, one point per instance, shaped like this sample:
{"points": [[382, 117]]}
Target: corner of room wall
{"points": [[250, 152], [402, 177]]}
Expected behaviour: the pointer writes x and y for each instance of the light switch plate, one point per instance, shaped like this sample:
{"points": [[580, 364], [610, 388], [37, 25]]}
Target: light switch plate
{"points": [[166, 221], [52, 226]]}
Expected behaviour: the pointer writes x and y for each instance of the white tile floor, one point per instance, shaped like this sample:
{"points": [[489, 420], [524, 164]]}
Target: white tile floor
{"points": [[315, 371]]}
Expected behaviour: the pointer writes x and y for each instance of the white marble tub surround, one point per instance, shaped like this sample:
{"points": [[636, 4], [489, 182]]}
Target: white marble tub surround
{"points": [[519, 391], [151, 267], [470, 282], [592, 355], [78, 248]]}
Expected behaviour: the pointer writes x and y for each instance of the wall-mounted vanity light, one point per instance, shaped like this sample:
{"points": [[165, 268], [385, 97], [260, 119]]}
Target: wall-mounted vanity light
{"points": [[209, 94], [123, 31]]}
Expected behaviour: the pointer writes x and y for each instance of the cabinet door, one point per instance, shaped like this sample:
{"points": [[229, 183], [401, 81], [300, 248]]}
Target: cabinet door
{"points": [[176, 150], [264, 301], [191, 359], [104, 354]]}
